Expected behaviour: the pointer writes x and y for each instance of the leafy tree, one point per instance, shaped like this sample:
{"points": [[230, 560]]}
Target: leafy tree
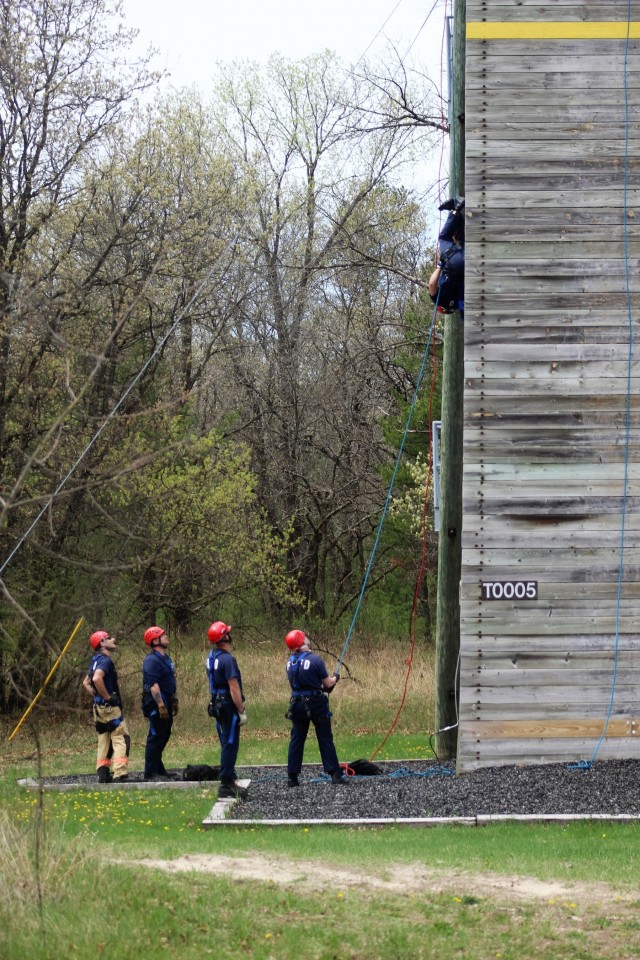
{"points": [[195, 524]]}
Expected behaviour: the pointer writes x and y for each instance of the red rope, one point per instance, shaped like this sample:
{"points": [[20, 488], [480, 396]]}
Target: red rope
{"points": [[416, 593]]}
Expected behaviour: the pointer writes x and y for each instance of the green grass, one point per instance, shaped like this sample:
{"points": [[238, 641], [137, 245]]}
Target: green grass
{"points": [[93, 905], [138, 912]]}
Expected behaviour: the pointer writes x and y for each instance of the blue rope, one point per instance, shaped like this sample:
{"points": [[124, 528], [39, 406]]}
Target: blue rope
{"points": [[588, 763], [400, 773], [435, 771], [391, 486]]}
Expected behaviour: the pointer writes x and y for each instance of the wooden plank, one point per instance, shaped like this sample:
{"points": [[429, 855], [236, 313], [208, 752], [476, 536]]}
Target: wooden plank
{"points": [[570, 694], [552, 677], [550, 646], [479, 301], [552, 591], [510, 569], [498, 356], [605, 274], [526, 623], [589, 250], [527, 711], [480, 332], [495, 150], [561, 11], [502, 471], [562, 56], [522, 488], [512, 353], [549, 82], [595, 528], [591, 409], [532, 367], [562, 385], [516, 661], [565, 729], [475, 756], [559, 539], [593, 118], [575, 106], [577, 131]]}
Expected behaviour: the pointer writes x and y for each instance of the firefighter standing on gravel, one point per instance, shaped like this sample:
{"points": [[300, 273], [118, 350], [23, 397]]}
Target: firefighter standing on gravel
{"points": [[310, 683], [101, 683], [159, 702], [226, 705]]}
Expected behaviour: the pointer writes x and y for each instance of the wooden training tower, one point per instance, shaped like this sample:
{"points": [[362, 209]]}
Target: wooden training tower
{"points": [[550, 592]]}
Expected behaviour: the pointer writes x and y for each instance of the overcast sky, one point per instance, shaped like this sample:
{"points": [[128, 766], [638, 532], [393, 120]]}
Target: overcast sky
{"points": [[192, 34]]}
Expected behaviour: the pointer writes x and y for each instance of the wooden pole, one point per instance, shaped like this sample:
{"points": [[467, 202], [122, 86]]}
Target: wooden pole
{"points": [[449, 545]]}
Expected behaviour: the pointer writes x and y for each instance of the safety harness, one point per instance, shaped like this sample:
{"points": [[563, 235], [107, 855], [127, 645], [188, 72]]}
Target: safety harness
{"points": [[220, 696], [299, 694], [103, 726]]}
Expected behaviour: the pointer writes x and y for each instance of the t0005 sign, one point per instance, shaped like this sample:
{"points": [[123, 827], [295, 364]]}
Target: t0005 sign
{"points": [[508, 589]]}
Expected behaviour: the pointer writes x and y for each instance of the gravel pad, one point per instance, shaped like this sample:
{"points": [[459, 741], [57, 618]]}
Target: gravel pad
{"points": [[415, 789]]}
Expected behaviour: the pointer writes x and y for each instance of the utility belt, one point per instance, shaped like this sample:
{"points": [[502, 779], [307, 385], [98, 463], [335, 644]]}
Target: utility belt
{"points": [[220, 701], [113, 701], [304, 698], [104, 725]]}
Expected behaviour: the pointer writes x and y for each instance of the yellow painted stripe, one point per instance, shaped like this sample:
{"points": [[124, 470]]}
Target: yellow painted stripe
{"points": [[554, 30]]}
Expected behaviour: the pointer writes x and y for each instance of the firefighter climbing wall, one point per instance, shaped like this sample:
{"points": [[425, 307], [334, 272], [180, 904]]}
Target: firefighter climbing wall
{"points": [[550, 598]]}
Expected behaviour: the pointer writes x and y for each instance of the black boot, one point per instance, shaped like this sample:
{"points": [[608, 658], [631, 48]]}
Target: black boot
{"points": [[453, 203], [104, 775], [229, 789], [293, 780], [338, 777]]}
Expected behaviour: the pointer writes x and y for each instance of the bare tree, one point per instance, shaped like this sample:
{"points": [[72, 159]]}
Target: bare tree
{"points": [[316, 343]]}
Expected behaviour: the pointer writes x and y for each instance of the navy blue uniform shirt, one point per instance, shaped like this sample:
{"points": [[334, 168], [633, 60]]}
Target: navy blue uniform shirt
{"points": [[102, 662], [160, 670], [310, 673], [222, 666]]}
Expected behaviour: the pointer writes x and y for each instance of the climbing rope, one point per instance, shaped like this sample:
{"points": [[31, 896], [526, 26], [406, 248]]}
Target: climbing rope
{"points": [[587, 763], [387, 502]]}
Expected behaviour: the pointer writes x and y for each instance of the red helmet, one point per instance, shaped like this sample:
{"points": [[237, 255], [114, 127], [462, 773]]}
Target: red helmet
{"points": [[295, 639], [96, 638], [152, 633], [218, 631]]}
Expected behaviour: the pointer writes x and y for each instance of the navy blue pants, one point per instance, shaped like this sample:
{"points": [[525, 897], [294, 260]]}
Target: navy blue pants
{"points": [[451, 293], [229, 736], [157, 739], [306, 711]]}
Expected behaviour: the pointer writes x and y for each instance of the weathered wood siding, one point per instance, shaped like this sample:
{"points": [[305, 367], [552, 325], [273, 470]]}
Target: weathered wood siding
{"points": [[552, 174]]}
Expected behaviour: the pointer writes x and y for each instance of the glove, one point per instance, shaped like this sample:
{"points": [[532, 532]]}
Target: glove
{"points": [[175, 703], [162, 710], [242, 718], [113, 701], [211, 710], [336, 675]]}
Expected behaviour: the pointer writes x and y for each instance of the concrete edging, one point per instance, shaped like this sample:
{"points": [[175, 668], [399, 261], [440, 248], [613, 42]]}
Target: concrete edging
{"points": [[481, 820]]}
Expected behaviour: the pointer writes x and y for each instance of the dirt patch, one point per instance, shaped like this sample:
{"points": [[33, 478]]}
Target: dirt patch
{"points": [[393, 878]]}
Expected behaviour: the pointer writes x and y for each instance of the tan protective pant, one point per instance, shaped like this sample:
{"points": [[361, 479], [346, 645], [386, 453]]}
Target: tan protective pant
{"points": [[112, 745]]}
